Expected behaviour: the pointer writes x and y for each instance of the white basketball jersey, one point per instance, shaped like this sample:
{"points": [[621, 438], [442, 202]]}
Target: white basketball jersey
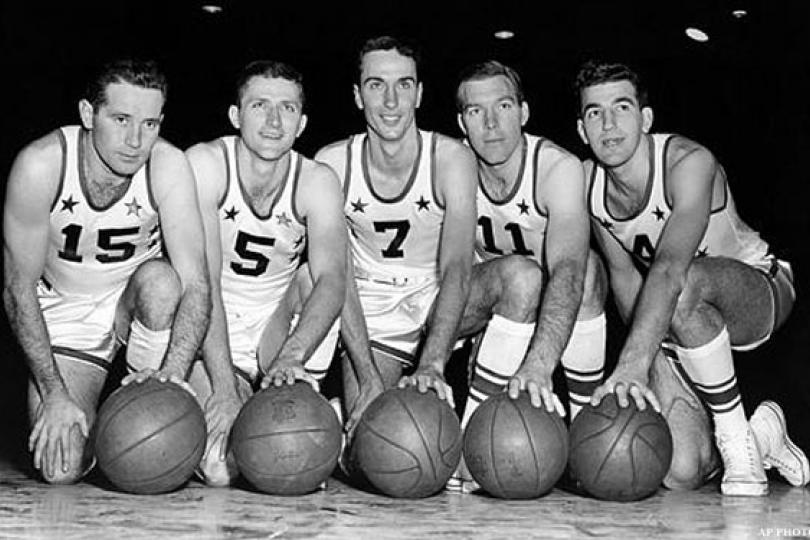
{"points": [[726, 235], [92, 250], [260, 254], [514, 224], [399, 236]]}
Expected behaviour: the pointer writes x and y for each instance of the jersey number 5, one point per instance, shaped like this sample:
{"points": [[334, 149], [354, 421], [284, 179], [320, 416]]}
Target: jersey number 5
{"points": [[242, 247], [106, 241], [401, 227]]}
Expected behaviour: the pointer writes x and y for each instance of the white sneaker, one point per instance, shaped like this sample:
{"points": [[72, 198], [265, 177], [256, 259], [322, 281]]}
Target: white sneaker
{"points": [[770, 429], [743, 474], [461, 481]]}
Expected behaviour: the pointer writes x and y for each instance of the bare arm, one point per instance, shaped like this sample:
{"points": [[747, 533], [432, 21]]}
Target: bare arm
{"points": [[691, 179], [456, 175], [184, 236], [566, 251], [320, 202], [352, 322], [32, 185], [209, 169], [625, 280]]}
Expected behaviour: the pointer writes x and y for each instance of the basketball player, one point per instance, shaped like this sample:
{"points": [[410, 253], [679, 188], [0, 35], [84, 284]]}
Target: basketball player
{"points": [[410, 207], [264, 205], [532, 221], [85, 213], [684, 268]]}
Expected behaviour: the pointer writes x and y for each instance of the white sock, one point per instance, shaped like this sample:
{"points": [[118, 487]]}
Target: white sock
{"points": [[146, 348], [500, 354], [584, 361], [711, 369]]}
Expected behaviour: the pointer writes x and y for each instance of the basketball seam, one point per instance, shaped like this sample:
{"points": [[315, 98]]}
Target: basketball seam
{"points": [[612, 446], [395, 445], [291, 432], [421, 437], [533, 448], [148, 437], [168, 472]]}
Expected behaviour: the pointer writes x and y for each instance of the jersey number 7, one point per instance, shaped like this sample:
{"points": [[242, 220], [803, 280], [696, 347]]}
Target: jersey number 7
{"points": [[401, 227]]}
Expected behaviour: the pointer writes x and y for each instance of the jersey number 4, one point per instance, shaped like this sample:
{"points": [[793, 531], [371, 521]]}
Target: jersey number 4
{"points": [[489, 238], [115, 249]]}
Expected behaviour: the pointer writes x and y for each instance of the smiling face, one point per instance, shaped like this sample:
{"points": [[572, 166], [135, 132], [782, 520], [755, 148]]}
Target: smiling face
{"points": [[612, 122], [125, 126], [388, 93], [269, 116], [492, 118]]}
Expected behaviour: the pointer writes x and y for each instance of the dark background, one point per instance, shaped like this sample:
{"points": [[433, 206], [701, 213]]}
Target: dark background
{"points": [[744, 94]]}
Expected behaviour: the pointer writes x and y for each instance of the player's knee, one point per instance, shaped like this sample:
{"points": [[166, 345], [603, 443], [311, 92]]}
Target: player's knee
{"points": [[77, 466], [521, 284], [158, 292], [686, 471], [595, 287]]}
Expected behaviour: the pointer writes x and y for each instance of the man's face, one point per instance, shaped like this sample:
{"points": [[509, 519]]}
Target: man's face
{"points": [[125, 126], [388, 93], [492, 118], [612, 122], [270, 116]]}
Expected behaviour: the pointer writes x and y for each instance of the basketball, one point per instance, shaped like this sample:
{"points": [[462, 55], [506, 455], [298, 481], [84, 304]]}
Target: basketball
{"points": [[514, 450], [407, 443], [149, 437], [286, 440], [619, 454]]}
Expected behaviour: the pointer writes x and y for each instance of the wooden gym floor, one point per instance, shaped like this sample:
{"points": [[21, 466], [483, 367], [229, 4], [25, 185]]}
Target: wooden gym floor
{"points": [[30, 509]]}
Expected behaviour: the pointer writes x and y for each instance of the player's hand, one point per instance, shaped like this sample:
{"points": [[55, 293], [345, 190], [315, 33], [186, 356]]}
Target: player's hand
{"points": [[628, 383], [162, 376], [220, 413], [50, 436], [280, 374], [539, 387], [428, 377], [368, 393]]}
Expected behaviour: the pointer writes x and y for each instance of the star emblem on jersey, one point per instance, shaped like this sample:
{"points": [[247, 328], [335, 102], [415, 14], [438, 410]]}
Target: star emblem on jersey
{"points": [[283, 219], [703, 252], [606, 224], [231, 214], [133, 207], [524, 208], [359, 206], [68, 204], [659, 214], [422, 203]]}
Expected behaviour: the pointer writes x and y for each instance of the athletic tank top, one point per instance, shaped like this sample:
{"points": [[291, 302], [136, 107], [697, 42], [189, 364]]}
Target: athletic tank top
{"points": [[93, 250], [260, 254], [394, 237], [726, 235], [514, 224]]}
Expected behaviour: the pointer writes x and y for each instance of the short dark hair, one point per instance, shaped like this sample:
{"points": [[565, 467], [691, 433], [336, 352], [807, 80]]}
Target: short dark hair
{"points": [[595, 72], [485, 70], [388, 43], [268, 69], [142, 73]]}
